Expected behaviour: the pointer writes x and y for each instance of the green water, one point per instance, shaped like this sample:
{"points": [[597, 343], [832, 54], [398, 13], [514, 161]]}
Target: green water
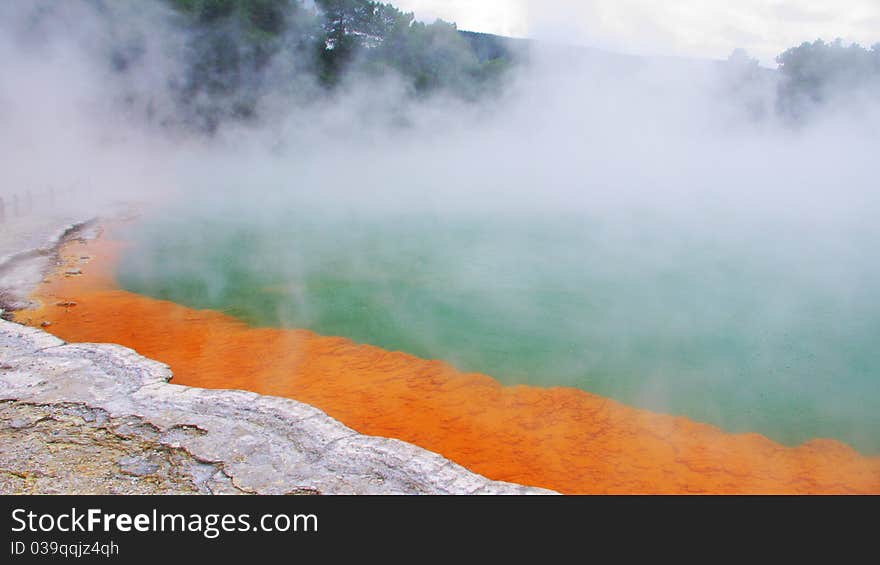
{"points": [[760, 332]]}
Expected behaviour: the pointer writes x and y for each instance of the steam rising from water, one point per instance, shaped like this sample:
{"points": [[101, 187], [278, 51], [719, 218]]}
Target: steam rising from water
{"points": [[646, 229]]}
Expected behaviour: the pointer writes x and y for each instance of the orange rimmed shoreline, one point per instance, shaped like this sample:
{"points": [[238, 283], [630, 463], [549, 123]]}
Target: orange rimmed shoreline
{"points": [[564, 439]]}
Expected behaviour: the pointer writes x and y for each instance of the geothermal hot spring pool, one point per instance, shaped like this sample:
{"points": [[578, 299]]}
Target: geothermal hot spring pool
{"points": [[750, 327]]}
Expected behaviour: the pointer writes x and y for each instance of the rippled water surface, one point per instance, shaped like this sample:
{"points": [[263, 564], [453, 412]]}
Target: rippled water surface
{"points": [[748, 329]]}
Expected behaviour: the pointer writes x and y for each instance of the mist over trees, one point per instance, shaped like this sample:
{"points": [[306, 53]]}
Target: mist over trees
{"points": [[818, 74], [233, 42], [238, 48], [237, 61]]}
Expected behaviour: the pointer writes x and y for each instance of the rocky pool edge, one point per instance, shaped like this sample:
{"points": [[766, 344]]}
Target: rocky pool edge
{"points": [[99, 418]]}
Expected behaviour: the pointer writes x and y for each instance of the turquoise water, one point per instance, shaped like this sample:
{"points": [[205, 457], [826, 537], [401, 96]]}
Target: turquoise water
{"points": [[752, 330]]}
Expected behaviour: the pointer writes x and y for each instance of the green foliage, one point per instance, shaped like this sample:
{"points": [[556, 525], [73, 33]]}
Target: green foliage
{"points": [[818, 73], [346, 36], [188, 6], [268, 16], [213, 10], [230, 44], [434, 54], [374, 38], [236, 48]]}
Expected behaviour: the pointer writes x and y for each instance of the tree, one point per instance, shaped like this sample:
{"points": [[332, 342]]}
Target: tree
{"points": [[232, 43], [818, 73]]}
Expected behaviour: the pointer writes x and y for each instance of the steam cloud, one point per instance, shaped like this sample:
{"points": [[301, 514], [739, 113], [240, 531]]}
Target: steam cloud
{"points": [[658, 159]]}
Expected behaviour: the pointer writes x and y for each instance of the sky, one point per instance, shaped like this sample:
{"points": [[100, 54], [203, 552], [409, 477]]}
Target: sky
{"points": [[690, 28]]}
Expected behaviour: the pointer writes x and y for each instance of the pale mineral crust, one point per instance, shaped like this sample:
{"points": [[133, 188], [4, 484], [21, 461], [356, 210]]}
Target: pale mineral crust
{"points": [[99, 418]]}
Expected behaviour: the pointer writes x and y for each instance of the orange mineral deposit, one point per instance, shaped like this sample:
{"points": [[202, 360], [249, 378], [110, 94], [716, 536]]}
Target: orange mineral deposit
{"points": [[562, 438]]}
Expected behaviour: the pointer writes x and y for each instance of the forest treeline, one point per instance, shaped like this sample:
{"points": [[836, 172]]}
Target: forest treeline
{"points": [[819, 73], [235, 54], [237, 50], [234, 40]]}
